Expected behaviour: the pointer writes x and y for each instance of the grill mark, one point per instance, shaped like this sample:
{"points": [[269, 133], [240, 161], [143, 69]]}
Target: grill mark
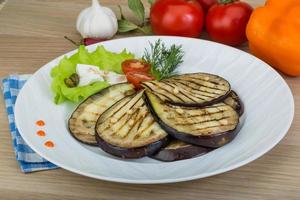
{"points": [[87, 121], [135, 116], [123, 116], [195, 95], [140, 133], [214, 81], [194, 80], [139, 121], [125, 105], [182, 92], [199, 84], [216, 84], [212, 127], [192, 92], [212, 120], [158, 86], [127, 120], [201, 115], [203, 93], [165, 97], [107, 117]]}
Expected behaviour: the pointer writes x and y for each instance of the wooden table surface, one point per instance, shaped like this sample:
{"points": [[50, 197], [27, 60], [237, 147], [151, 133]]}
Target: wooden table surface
{"points": [[31, 34]]}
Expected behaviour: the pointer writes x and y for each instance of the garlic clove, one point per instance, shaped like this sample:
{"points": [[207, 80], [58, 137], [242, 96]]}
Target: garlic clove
{"points": [[97, 22]]}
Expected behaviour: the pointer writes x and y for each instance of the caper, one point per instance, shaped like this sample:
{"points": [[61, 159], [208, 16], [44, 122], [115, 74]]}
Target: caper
{"points": [[72, 81]]}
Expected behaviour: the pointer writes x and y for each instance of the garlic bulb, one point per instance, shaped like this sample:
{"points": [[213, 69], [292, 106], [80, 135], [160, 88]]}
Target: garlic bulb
{"points": [[97, 22]]}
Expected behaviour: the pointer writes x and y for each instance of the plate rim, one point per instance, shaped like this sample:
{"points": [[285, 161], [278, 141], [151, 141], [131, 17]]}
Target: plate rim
{"points": [[257, 155]]}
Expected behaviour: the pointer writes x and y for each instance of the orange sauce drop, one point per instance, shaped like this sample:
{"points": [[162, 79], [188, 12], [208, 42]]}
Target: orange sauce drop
{"points": [[40, 123], [49, 144], [41, 133]]}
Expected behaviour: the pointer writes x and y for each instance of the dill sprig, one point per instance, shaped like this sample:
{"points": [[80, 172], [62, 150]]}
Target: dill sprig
{"points": [[163, 60]]}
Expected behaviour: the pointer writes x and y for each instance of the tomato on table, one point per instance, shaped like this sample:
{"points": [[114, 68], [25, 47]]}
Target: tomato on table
{"points": [[136, 78], [177, 17], [226, 22], [206, 4], [134, 65]]}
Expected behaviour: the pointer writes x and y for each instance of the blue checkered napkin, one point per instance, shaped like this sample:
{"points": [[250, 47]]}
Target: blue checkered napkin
{"points": [[29, 160]]}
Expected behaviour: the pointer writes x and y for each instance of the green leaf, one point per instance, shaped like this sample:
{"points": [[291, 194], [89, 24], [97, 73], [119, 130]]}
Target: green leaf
{"points": [[110, 61], [151, 2], [146, 30], [121, 12], [126, 26], [101, 57], [137, 8]]}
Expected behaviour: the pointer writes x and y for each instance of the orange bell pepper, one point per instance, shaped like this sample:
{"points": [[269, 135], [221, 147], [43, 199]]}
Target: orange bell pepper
{"points": [[273, 32]]}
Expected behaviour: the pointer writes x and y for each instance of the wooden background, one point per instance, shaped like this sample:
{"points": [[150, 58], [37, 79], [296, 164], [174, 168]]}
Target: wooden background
{"points": [[31, 34]]}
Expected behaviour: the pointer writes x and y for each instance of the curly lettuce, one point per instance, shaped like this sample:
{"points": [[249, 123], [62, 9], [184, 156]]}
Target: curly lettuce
{"points": [[102, 58]]}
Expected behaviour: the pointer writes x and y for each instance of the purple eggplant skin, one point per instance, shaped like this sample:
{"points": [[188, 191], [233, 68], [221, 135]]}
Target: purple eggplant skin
{"points": [[211, 141], [132, 153], [187, 152], [239, 108]]}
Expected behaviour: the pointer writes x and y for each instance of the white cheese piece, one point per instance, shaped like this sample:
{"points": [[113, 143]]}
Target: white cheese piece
{"points": [[88, 74], [114, 78]]}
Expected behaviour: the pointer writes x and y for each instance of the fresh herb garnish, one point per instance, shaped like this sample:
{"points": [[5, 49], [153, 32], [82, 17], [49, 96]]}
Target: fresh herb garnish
{"points": [[138, 10], [163, 60]]}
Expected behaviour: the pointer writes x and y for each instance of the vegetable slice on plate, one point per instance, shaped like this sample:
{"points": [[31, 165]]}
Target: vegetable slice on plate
{"points": [[178, 150], [198, 89], [83, 120], [211, 126], [235, 102], [128, 130]]}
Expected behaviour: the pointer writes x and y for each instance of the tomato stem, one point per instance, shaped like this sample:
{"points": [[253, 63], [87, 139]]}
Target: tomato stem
{"points": [[226, 1]]}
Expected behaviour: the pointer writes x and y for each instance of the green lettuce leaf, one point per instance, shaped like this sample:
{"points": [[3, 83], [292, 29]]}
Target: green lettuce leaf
{"points": [[102, 58]]}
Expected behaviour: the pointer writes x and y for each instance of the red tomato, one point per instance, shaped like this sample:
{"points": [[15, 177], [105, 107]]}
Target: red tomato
{"points": [[226, 23], [177, 17], [134, 65], [136, 78], [206, 4]]}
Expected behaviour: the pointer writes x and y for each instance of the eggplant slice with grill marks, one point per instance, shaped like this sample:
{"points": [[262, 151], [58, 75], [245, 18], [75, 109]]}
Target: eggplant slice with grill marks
{"points": [[190, 90], [211, 126], [178, 150], [235, 102], [128, 130], [83, 120]]}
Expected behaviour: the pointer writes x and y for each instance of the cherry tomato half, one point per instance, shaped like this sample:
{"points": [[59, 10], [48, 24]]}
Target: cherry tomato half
{"points": [[136, 78], [226, 22], [177, 17], [134, 65]]}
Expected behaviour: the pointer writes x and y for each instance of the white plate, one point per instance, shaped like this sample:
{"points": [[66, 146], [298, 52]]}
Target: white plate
{"points": [[269, 110]]}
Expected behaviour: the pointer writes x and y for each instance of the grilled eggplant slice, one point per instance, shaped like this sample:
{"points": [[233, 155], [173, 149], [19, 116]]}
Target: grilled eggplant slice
{"points": [[190, 90], [128, 130], [83, 120], [235, 102], [178, 150], [211, 126]]}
